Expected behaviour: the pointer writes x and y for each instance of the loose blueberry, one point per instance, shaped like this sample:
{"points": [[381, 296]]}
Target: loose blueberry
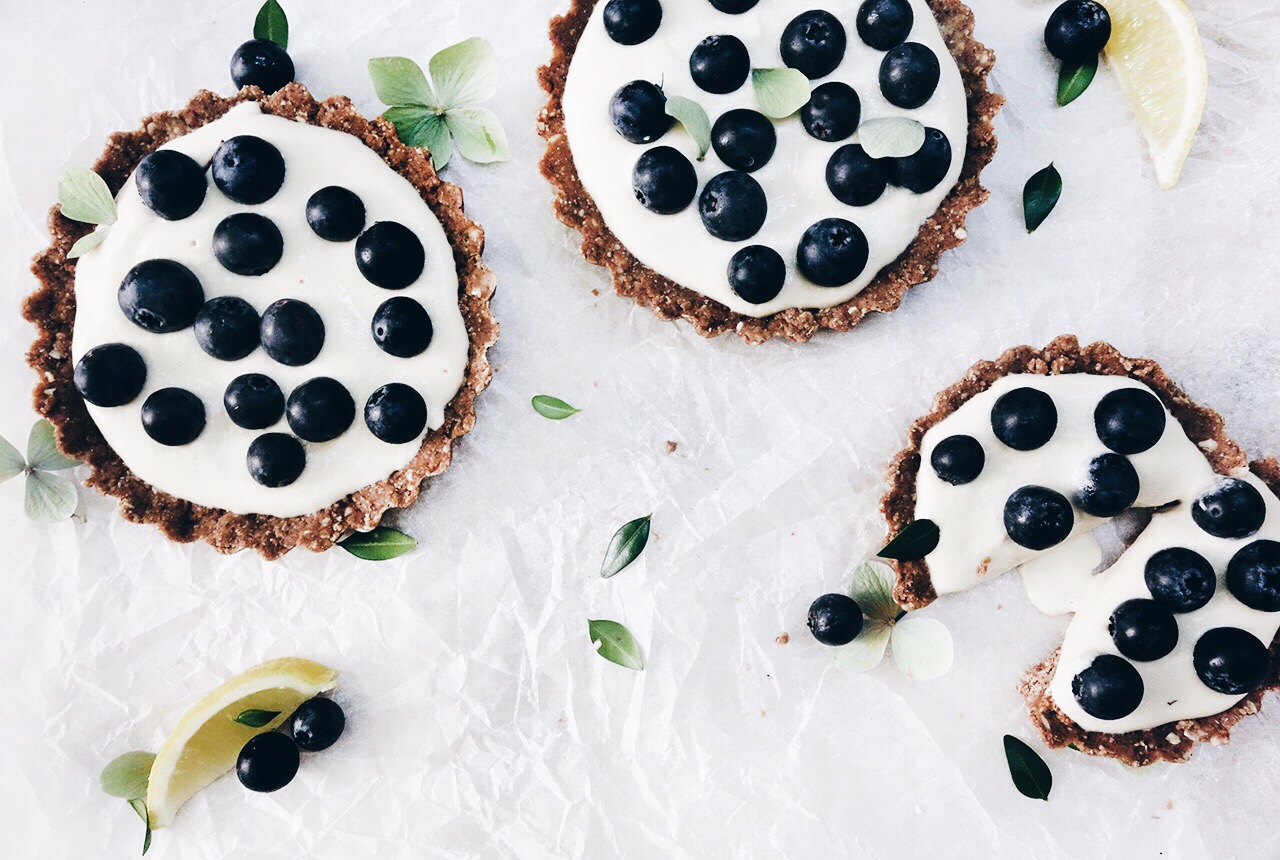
{"points": [[1109, 487], [173, 416], [161, 296], [1129, 420], [733, 206], [958, 459], [1180, 579], [1038, 517], [336, 214], [909, 75], [631, 22], [402, 327], [1253, 575], [317, 724], [832, 252], [247, 244], [1024, 418], [757, 274], [110, 375], [320, 410], [248, 169], [720, 64], [396, 413], [664, 181], [1109, 689], [254, 401], [1230, 661], [855, 178], [276, 459], [268, 762], [1232, 509], [832, 113], [882, 24], [639, 112], [744, 139], [1143, 630], [261, 63], [923, 170], [1077, 30], [390, 255], [835, 619], [227, 328], [292, 332], [171, 184], [814, 43], [734, 7]]}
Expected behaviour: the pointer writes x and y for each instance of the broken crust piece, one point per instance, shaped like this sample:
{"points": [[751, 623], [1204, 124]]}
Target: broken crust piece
{"points": [[52, 310], [918, 263]]}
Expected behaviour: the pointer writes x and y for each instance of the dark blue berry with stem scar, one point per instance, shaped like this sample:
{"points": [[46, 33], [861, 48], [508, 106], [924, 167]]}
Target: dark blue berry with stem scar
{"points": [[664, 180], [402, 327], [1024, 418], [835, 619], [631, 22], [276, 459], [958, 459], [1109, 689], [1181, 579], [248, 169], [1253, 576], [757, 274], [253, 401], [292, 332], [1129, 420], [396, 413], [1110, 486], [734, 7], [320, 409], [639, 112], [926, 167], [814, 43], [720, 64], [832, 112], [317, 724], [110, 375], [1077, 30], [832, 252], [909, 74], [268, 762], [1038, 517], [882, 24], [335, 214], [1230, 660], [1143, 630], [227, 328], [855, 178], [173, 416], [248, 244], [1232, 509], [390, 255], [261, 63], [733, 206], [171, 184], [161, 296], [744, 139]]}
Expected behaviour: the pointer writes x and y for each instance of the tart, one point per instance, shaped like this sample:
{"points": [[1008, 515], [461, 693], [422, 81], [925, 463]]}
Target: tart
{"points": [[282, 334], [784, 227]]}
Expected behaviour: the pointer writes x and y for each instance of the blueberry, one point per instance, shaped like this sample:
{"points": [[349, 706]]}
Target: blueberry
{"points": [[1077, 30], [254, 401], [248, 169], [173, 416], [1129, 420], [247, 244], [1024, 418], [390, 255], [320, 409], [1143, 630], [402, 327], [292, 332], [639, 112], [814, 43], [335, 214], [757, 274], [276, 459], [268, 762], [832, 252], [924, 169], [835, 619], [720, 64], [855, 178], [1180, 579], [227, 328], [744, 139], [261, 63], [171, 184], [1232, 509], [909, 74], [1230, 661], [832, 113], [631, 22], [882, 24], [1109, 689], [1038, 517], [317, 724], [396, 413], [664, 181], [958, 459], [110, 375], [1253, 575], [733, 206], [161, 296], [1109, 487], [734, 7]]}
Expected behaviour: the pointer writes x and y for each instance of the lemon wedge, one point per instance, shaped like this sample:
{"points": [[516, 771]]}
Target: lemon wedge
{"points": [[1155, 51], [207, 740]]}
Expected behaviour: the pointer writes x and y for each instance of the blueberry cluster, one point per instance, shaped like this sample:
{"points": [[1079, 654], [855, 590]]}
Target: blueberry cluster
{"points": [[732, 205], [270, 761]]}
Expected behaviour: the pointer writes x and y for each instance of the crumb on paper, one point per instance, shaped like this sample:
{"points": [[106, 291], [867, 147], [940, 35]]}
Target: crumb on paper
{"points": [[672, 446], [783, 638]]}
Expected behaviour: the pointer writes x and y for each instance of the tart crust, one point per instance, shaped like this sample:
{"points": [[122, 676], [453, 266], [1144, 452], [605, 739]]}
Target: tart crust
{"points": [[943, 230], [52, 310]]}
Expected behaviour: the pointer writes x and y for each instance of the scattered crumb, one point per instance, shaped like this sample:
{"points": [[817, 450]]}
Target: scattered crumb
{"points": [[595, 292], [762, 712], [1168, 804], [783, 638], [672, 446]]}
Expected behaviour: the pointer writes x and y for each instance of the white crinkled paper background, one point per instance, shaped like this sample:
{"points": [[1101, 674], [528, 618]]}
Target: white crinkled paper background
{"points": [[481, 723]]}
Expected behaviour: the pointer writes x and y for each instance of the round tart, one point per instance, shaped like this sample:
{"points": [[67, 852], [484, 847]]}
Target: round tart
{"points": [[784, 226], [282, 333]]}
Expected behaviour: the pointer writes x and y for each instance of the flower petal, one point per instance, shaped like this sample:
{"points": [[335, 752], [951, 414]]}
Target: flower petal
{"points": [[872, 587], [478, 135], [464, 74], [50, 497], [867, 650], [42, 449], [12, 463], [922, 648]]}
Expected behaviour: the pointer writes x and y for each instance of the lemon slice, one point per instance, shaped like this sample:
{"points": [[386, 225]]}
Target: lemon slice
{"points": [[1156, 52], [207, 740]]}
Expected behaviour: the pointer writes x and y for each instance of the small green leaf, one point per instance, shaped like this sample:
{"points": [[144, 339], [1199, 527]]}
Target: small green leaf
{"points": [[50, 498], [464, 74], [423, 127], [1040, 195], [380, 544], [872, 588], [1030, 774], [272, 24], [85, 197], [12, 463], [616, 644], [694, 118], [867, 650], [140, 806], [922, 648], [552, 407], [126, 776], [399, 82], [255, 718], [780, 92], [88, 242], [627, 544], [915, 541], [891, 137], [42, 449], [1074, 79], [478, 135]]}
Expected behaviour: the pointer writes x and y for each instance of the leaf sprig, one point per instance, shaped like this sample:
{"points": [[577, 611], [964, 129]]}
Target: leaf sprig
{"points": [[922, 647], [272, 24], [1031, 776], [126, 776], [625, 547], [616, 644], [1074, 79], [85, 197], [552, 407], [49, 497], [1040, 195], [380, 544]]}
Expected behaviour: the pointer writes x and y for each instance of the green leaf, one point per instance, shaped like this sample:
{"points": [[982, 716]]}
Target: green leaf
{"points": [[780, 92], [12, 464], [867, 650], [126, 776], [50, 498], [872, 588], [380, 544], [272, 24], [140, 806], [891, 137], [694, 118], [464, 74], [616, 644], [552, 407], [1040, 196], [1074, 79], [1030, 774], [922, 648], [399, 82], [478, 135], [88, 242], [627, 544], [42, 449], [419, 126], [85, 197], [255, 718], [915, 541]]}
